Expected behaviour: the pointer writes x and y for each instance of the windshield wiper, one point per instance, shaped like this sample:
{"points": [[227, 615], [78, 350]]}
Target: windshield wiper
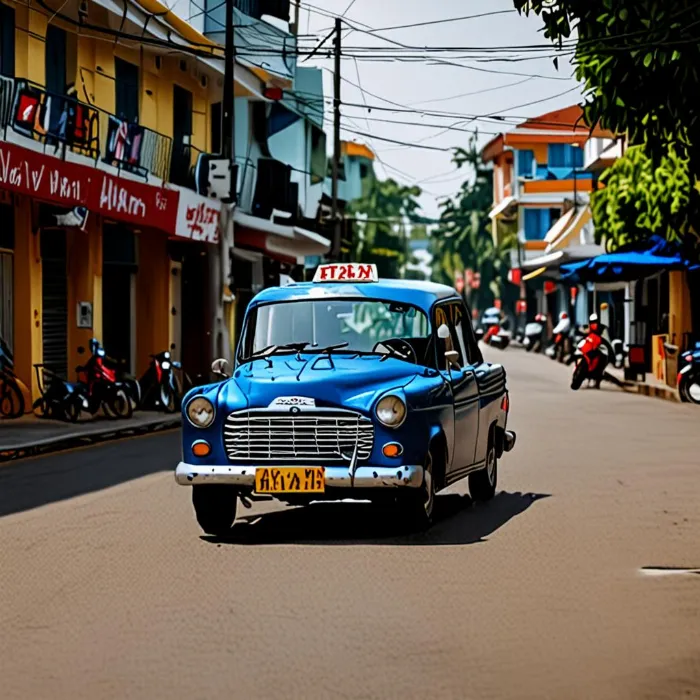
{"points": [[272, 349]]}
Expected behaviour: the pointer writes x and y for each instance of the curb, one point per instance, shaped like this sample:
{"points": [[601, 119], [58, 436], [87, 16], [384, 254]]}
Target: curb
{"points": [[659, 392], [61, 443]]}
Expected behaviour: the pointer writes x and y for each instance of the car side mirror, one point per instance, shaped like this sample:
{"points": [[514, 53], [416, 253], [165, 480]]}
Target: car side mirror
{"points": [[443, 332], [452, 357], [219, 367]]}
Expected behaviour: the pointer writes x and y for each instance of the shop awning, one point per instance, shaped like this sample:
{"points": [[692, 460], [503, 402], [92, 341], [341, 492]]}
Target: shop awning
{"points": [[278, 239], [630, 264], [501, 208], [560, 225], [573, 230], [571, 254]]}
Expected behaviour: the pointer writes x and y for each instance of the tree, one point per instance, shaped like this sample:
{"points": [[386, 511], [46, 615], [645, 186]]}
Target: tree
{"points": [[639, 61], [463, 238], [641, 199], [388, 211]]}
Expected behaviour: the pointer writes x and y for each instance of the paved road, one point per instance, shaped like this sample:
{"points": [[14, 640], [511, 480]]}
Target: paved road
{"points": [[108, 591]]}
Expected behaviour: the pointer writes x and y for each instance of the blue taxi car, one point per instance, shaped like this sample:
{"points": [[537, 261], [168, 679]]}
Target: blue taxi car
{"points": [[347, 387]]}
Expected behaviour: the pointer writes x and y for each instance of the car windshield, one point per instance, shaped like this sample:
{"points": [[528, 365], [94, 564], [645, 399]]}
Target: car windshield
{"points": [[357, 325]]}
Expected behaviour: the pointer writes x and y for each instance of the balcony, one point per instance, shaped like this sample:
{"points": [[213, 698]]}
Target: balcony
{"points": [[269, 51], [75, 130]]}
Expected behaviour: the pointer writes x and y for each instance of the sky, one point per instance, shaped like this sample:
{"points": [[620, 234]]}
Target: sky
{"points": [[422, 86]]}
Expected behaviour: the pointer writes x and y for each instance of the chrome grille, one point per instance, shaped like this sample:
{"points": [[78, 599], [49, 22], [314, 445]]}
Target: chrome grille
{"points": [[311, 436]]}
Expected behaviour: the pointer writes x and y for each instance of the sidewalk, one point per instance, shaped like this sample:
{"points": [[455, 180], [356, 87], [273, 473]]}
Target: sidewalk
{"points": [[30, 435], [650, 387]]}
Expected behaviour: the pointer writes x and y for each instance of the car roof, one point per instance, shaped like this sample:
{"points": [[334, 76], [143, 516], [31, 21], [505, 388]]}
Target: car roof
{"points": [[414, 292]]}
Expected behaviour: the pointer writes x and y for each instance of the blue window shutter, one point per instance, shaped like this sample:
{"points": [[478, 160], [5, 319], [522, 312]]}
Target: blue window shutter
{"points": [[556, 155], [526, 163], [537, 223]]}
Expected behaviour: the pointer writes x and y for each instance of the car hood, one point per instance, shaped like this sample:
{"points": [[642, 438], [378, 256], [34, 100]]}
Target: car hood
{"points": [[354, 381]]}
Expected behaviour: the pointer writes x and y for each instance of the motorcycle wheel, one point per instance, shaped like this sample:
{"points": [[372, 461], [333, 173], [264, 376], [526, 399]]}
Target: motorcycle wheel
{"points": [[41, 407], [11, 400], [120, 405], [692, 391], [579, 375], [167, 398], [72, 409]]}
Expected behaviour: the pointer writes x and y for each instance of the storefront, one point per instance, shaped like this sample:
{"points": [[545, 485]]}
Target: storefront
{"points": [[88, 255]]}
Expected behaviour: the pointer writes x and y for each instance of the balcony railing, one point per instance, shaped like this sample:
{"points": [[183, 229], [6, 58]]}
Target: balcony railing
{"points": [[65, 123]]}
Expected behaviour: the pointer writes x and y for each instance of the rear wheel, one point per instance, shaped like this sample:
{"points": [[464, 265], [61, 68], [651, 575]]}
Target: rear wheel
{"points": [[72, 408], [482, 484], [692, 390], [215, 507]]}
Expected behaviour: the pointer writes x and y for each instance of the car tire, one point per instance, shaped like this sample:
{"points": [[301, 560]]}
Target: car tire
{"points": [[418, 505], [215, 507], [482, 484]]}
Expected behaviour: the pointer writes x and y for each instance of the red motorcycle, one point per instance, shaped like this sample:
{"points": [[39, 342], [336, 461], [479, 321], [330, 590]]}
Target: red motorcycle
{"points": [[591, 357], [98, 386]]}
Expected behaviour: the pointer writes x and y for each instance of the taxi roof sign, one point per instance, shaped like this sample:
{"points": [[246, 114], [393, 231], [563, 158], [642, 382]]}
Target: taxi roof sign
{"points": [[346, 272]]}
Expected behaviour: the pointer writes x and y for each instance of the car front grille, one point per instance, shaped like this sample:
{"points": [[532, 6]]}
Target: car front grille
{"points": [[320, 436]]}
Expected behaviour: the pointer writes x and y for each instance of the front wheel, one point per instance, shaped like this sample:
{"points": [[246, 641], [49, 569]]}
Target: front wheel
{"points": [[482, 484], [418, 505], [215, 508], [167, 398], [119, 405], [579, 375]]}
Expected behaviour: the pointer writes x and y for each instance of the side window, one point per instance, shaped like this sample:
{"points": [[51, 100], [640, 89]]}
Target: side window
{"points": [[449, 315], [473, 352]]}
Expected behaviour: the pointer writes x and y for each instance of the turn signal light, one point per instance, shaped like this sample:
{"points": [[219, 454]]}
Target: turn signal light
{"points": [[201, 449], [505, 404], [392, 449]]}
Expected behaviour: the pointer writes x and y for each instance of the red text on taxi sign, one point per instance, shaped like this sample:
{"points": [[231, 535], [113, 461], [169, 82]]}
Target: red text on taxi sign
{"points": [[346, 272]]}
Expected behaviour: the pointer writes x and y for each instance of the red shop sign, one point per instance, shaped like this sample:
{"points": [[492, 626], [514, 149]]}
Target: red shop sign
{"points": [[44, 177], [135, 202]]}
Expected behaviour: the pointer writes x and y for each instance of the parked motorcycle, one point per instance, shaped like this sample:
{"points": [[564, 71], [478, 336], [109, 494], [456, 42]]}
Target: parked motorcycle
{"points": [[98, 386], [535, 333], [159, 388], [558, 349], [689, 376], [592, 356], [60, 399]]}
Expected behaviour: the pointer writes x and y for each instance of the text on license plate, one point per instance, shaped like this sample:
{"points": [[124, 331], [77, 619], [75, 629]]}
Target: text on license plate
{"points": [[290, 480]]}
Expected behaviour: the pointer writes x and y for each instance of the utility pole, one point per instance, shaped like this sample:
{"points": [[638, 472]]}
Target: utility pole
{"points": [[220, 258], [228, 111], [297, 10], [335, 250]]}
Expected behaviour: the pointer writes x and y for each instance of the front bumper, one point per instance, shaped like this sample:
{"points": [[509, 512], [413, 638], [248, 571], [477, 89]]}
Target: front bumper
{"points": [[404, 476]]}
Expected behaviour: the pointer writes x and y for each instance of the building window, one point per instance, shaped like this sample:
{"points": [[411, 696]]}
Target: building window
{"points": [[126, 85], [564, 155], [526, 163], [7, 41], [538, 222]]}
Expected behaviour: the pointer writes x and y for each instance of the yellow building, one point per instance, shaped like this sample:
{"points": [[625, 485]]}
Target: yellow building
{"points": [[102, 233]]}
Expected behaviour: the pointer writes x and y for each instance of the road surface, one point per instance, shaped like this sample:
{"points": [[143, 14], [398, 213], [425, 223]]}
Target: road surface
{"points": [[107, 589]]}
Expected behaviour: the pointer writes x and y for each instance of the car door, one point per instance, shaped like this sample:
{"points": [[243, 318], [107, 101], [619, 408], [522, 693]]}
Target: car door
{"points": [[463, 385]]}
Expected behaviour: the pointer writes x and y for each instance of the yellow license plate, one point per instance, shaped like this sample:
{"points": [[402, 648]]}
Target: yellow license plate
{"points": [[290, 480]]}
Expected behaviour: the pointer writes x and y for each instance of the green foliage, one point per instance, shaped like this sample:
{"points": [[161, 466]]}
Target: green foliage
{"points": [[463, 237], [642, 198], [639, 61], [389, 209]]}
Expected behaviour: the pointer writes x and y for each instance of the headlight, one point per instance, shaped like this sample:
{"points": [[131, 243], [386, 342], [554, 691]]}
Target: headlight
{"points": [[391, 411], [165, 365], [200, 412]]}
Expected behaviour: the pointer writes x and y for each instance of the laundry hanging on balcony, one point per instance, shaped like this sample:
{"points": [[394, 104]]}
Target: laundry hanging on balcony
{"points": [[124, 143]]}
